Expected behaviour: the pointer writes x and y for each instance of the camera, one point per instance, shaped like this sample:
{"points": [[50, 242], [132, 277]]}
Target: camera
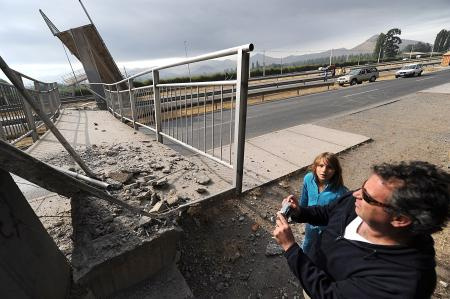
{"points": [[286, 210]]}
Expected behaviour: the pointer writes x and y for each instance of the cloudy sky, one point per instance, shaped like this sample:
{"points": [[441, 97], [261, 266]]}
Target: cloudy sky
{"points": [[138, 32]]}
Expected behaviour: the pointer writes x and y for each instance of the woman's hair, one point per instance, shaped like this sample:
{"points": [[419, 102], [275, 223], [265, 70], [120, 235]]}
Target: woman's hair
{"points": [[332, 160]]}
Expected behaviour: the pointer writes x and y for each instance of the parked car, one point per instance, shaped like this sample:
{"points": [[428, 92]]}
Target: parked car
{"points": [[359, 75], [410, 70]]}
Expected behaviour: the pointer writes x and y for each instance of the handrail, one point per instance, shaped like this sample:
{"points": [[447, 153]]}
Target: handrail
{"points": [[231, 51]]}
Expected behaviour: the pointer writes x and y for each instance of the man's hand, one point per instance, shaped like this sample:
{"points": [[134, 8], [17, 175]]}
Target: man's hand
{"points": [[293, 202], [282, 233]]}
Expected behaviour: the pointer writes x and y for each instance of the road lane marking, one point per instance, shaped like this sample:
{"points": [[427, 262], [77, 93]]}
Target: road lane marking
{"points": [[354, 94], [424, 78]]}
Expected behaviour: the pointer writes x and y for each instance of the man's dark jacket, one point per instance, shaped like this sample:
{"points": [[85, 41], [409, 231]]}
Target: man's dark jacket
{"points": [[342, 268]]}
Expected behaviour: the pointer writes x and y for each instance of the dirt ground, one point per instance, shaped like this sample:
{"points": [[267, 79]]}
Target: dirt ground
{"points": [[227, 251]]}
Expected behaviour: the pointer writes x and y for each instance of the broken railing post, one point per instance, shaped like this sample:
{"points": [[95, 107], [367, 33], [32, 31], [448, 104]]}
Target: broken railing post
{"points": [[241, 118], [11, 76]]}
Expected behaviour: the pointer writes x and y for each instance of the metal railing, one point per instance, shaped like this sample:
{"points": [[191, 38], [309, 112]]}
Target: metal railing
{"points": [[208, 118], [17, 119]]}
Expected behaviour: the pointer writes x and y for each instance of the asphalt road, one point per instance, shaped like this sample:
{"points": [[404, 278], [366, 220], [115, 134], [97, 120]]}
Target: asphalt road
{"points": [[276, 115], [269, 117]]}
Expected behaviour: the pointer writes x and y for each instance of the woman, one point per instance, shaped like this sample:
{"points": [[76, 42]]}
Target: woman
{"points": [[322, 185]]}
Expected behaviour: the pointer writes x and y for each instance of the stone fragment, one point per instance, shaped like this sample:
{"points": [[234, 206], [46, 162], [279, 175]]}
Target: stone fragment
{"points": [[160, 206], [201, 190], [154, 199], [273, 249], [172, 198], [144, 196], [131, 186], [120, 176], [159, 183], [202, 179], [113, 184], [144, 221]]}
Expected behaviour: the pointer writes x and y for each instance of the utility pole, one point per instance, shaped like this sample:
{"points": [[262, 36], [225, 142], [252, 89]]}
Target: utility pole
{"points": [[331, 55], [281, 65], [189, 69], [264, 63]]}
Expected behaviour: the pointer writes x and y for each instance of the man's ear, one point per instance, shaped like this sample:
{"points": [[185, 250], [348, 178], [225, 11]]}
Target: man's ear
{"points": [[401, 221]]}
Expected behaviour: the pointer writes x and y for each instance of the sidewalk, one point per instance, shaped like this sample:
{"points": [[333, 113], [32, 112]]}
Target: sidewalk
{"points": [[267, 157]]}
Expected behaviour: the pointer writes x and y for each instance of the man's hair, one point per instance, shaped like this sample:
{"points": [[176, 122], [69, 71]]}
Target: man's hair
{"points": [[423, 194]]}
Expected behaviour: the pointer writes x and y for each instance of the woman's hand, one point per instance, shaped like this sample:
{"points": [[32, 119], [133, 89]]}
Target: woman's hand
{"points": [[282, 233], [293, 202]]}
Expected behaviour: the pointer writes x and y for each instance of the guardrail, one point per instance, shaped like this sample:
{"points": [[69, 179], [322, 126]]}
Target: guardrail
{"points": [[194, 115], [17, 119]]}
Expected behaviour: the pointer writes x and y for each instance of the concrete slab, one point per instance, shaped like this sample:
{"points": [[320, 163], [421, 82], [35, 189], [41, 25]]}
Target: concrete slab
{"points": [[274, 155], [167, 284], [328, 135], [444, 88]]}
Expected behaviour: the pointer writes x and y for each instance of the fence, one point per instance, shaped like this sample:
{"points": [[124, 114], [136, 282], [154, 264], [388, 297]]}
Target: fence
{"points": [[208, 118], [17, 120]]}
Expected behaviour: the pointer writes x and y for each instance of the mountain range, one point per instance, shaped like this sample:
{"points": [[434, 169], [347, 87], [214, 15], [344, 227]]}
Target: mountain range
{"points": [[214, 66]]}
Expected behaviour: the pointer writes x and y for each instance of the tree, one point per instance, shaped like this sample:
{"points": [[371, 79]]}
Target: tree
{"points": [[379, 46], [418, 47], [442, 41], [392, 42]]}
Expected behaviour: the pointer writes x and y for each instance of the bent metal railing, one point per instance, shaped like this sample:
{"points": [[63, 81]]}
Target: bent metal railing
{"points": [[208, 118], [17, 119]]}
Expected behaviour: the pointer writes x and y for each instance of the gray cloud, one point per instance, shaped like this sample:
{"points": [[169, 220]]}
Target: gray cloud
{"points": [[140, 29]]}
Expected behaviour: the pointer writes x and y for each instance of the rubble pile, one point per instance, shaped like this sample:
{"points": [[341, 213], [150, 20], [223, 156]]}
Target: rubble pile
{"points": [[142, 176]]}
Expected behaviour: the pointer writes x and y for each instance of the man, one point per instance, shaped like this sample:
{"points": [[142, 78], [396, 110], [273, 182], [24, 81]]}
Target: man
{"points": [[377, 243]]}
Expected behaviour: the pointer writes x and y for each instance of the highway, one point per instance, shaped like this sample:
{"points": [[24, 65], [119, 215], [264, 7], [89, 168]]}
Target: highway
{"points": [[272, 116], [276, 115]]}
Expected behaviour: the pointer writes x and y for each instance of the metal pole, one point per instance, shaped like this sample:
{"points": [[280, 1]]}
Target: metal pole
{"points": [[11, 76], [132, 102], [240, 119], [29, 116], [189, 69], [90, 20], [157, 102], [2, 131], [119, 99]]}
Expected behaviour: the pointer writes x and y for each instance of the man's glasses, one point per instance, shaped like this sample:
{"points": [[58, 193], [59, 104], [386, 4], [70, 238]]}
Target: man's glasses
{"points": [[370, 200]]}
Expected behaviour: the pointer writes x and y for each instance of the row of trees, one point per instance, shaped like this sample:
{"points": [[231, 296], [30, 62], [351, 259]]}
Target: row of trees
{"points": [[442, 41]]}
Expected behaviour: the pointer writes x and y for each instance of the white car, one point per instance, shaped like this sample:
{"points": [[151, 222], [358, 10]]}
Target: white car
{"points": [[409, 70]]}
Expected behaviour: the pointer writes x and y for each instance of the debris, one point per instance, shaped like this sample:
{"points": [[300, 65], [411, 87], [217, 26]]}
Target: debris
{"points": [[273, 249], [443, 283], [160, 206], [120, 176], [255, 227], [172, 198], [201, 190], [203, 179], [159, 183]]}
